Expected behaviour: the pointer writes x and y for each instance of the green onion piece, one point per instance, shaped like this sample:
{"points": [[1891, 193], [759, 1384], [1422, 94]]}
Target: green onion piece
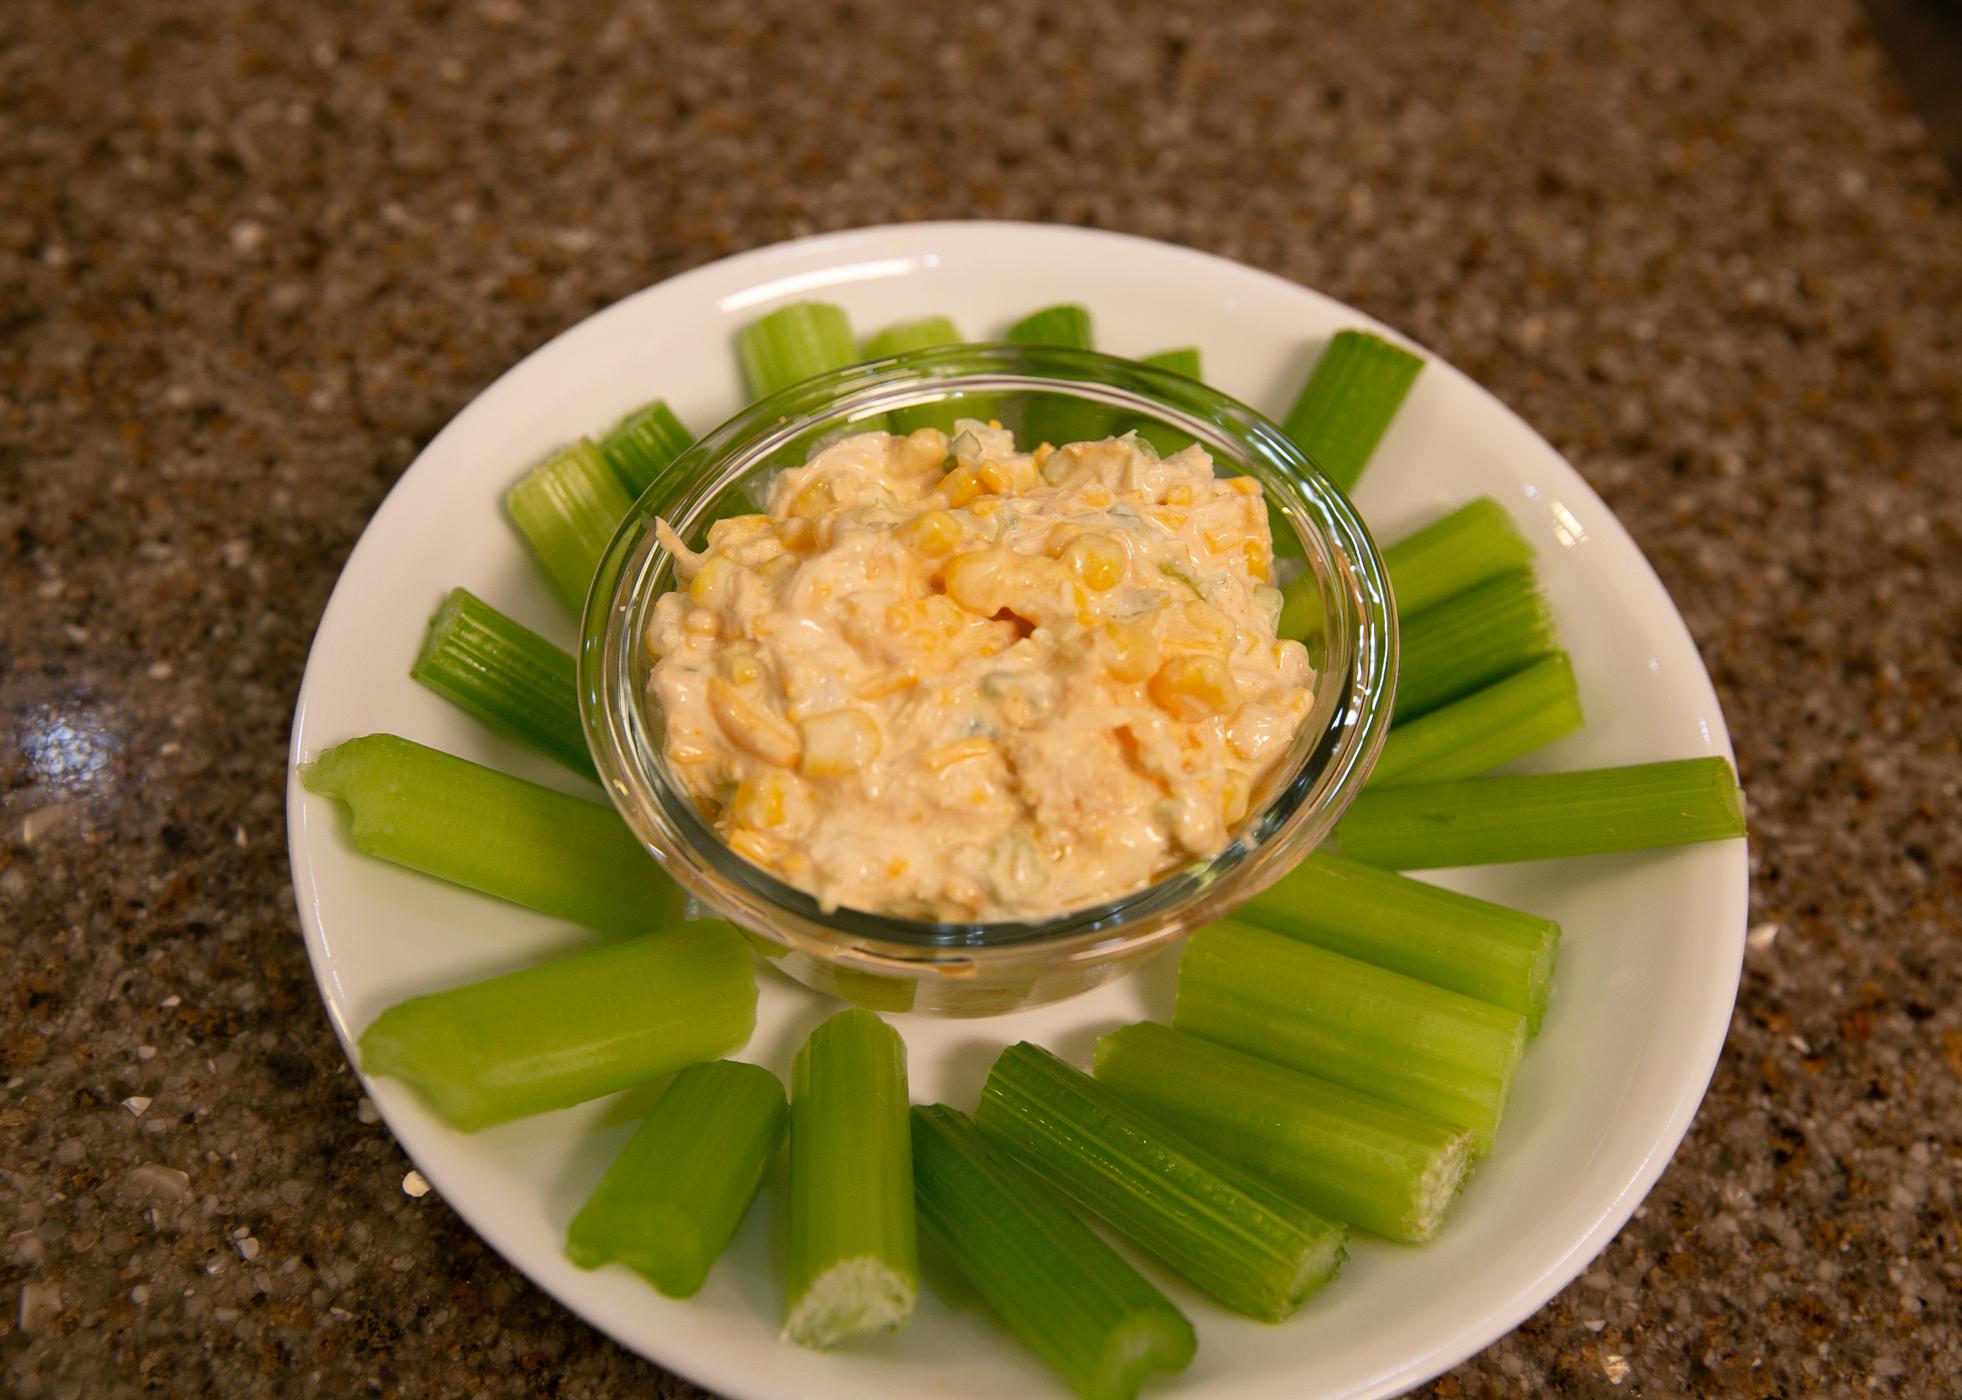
{"points": [[1471, 946], [1377, 1031], [853, 1262], [1471, 640], [1473, 543], [1184, 360], [643, 443], [1491, 726], [1066, 325], [501, 835], [672, 1198], [570, 1030], [1092, 1317], [1355, 390], [506, 675], [567, 509], [1226, 1230], [927, 333], [793, 343], [1374, 1164], [1483, 821]]}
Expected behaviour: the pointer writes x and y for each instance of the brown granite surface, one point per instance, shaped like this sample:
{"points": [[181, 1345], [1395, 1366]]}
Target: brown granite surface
{"points": [[253, 256]]}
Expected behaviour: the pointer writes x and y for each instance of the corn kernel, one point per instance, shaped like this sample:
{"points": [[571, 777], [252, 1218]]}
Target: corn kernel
{"points": [[777, 567], [758, 801], [1242, 485], [797, 534], [960, 751], [838, 742], [700, 622], [974, 580], [932, 532], [1179, 494], [925, 446], [755, 848], [1192, 688], [1130, 652], [960, 486], [1173, 520], [736, 528], [1096, 497], [714, 584], [1042, 454], [1234, 794], [1258, 564], [882, 686], [1210, 623], [1096, 559], [817, 498], [738, 665], [996, 478], [751, 727]]}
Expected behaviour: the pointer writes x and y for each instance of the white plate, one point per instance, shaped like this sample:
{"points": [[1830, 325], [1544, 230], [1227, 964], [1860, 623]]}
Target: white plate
{"points": [[1653, 945]]}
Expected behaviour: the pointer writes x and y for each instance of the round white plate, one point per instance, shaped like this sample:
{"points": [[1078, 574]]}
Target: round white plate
{"points": [[1653, 942]]}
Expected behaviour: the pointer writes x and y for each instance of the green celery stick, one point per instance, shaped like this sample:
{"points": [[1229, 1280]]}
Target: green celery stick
{"points": [[643, 443], [1374, 1164], [672, 1198], [1183, 361], [1486, 728], [1473, 543], [1092, 1317], [793, 343], [927, 333], [1047, 417], [1468, 945], [1354, 391], [571, 1030], [1164, 438], [1471, 640], [1482, 821], [506, 675], [853, 1262], [1066, 324], [1226, 1230], [567, 509], [474, 826], [1379, 1032]]}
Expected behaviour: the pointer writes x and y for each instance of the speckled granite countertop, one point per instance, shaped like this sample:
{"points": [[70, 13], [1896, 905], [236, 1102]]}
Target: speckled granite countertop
{"points": [[253, 256]]}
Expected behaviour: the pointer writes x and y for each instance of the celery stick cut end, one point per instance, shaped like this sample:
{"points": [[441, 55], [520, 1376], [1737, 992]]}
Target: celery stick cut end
{"points": [[1437, 1191], [1160, 1340], [852, 1298], [1318, 1266], [678, 1273], [389, 1051]]}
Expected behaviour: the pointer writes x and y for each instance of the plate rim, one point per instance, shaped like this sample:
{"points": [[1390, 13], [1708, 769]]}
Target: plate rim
{"points": [[1492, 1322]]}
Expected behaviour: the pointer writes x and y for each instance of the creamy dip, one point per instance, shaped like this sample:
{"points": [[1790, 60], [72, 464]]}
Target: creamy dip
{"points": [[959, 681]]}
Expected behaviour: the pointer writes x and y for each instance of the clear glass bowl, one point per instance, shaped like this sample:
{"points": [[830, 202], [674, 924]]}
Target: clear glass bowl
{"points": [[977, 969]]}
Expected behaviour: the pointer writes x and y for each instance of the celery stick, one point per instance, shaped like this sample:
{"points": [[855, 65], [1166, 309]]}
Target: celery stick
{"points": [[1355, 390], [1050, 418], [853, 1266], [1377, 1031], [1226, 1230], [793, 343], [1483, 950], [1481, 821], [567, 509], [643, 443], [1374, 1164], [1092, 1317], [571, 1030], [927, 333], [506, 675], [474, 826], [1184, 360], [1473, 543], [1471, 640], [1486, 728], [1067, 325], [672, 1198]]}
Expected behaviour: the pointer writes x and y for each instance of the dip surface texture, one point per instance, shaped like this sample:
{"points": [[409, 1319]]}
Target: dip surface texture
{"points": [[964, 682]]}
